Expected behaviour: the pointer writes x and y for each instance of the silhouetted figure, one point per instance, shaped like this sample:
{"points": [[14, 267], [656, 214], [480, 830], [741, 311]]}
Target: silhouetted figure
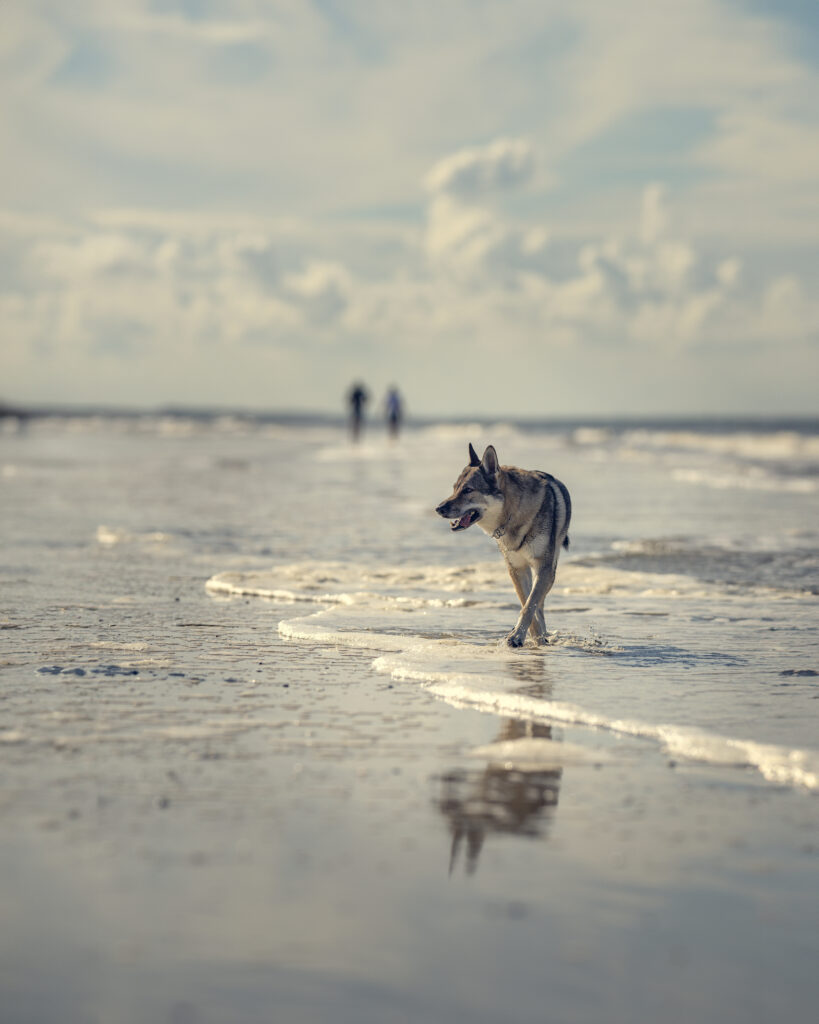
{"points": [[358, 399], [395, 411]]}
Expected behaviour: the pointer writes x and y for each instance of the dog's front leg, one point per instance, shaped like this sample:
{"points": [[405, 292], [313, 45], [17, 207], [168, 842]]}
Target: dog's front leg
{"points": [[522, 581], [538, 627], [532, 608]]}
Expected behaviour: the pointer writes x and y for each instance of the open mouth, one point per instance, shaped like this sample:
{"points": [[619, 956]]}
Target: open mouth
{"points": [[466, 520]]}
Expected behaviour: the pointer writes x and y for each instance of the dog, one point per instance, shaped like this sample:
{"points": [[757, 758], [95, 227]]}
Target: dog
{"points": [[528, 513]]}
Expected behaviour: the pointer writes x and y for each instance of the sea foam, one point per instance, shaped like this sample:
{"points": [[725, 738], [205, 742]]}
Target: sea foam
{"points": [[453, 646]]}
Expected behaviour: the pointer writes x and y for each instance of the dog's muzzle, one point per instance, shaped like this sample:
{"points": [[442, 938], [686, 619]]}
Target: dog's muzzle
{"points": [[463, 522]]}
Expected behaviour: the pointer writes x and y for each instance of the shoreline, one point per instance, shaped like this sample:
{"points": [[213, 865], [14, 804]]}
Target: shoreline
{"points": [[701, 422], [206, 821]]}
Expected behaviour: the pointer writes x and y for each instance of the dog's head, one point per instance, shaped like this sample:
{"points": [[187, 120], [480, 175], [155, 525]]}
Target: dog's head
{"points": [[476, 492]]}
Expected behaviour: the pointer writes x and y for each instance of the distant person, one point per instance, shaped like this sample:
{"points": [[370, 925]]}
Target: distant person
{"points": [[358, 399], [395, 411]]}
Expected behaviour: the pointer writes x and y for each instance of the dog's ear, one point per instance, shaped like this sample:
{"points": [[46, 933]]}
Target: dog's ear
{"points": [[490, 461], [473, 456]]}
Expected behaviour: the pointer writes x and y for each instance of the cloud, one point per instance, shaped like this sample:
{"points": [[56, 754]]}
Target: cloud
{"points": [[87, 257], [469, 173], [99, 291], [466, 234], [256, 185], [321, 289], [157, 288], [207, 31], [642, 287]]}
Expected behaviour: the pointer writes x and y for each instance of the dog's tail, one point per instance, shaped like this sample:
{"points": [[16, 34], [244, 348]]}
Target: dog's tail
{"points": [[566, 541]]}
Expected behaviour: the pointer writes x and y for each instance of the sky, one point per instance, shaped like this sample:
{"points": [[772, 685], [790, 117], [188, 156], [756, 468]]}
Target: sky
{"points": [[503, 207]]}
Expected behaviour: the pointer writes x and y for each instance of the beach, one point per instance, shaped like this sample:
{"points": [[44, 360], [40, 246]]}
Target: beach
{"points": [[267, 758]]}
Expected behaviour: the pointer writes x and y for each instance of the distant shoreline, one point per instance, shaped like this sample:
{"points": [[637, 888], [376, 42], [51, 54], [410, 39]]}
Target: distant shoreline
{"points": [[703, 422]]}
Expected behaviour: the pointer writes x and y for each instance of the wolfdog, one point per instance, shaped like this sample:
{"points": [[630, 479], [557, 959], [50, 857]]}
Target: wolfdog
{"points": [[528, 514]]}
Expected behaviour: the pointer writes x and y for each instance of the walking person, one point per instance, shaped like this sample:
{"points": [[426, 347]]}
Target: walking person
{"points": [[395, 411], [357, 399]]}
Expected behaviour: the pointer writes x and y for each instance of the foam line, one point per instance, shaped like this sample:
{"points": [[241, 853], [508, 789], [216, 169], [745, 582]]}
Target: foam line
{"points": [[779, 764], [358, 608], [403, 659]]}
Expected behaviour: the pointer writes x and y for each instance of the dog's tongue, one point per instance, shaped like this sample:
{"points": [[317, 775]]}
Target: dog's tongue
{"points": [[464, 521]]}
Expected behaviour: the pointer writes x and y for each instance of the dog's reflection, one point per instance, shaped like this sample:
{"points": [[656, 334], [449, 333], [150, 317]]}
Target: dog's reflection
{"points": [[498, 799]]}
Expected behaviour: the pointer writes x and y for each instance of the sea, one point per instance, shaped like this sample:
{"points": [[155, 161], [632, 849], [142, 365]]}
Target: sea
{"points": [[267, 756]]}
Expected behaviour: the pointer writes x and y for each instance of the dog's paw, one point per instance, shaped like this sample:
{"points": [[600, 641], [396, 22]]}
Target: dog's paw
{"points": [[514, 640]]}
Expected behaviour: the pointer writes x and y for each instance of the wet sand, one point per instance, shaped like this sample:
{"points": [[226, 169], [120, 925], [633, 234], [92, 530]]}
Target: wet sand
{"points": [[205, 822], [343, 855]]}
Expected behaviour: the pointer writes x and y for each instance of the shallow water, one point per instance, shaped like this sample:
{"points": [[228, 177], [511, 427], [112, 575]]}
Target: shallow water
{"points": [[266, 756]]}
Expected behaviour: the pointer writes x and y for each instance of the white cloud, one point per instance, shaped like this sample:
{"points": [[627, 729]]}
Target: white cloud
{"points": [[85, 257], [502, 164], [146, 290], [466, 233], [728, 272], [254, 182], [207, 31], [321, 289]]}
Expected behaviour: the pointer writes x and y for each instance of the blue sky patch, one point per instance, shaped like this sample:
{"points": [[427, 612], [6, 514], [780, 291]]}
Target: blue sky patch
{"points": [[88, 65], [643, 146]]}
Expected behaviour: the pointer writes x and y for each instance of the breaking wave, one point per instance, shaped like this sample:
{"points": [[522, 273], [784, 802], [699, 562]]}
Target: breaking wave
{"points": [[441, 628]]}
